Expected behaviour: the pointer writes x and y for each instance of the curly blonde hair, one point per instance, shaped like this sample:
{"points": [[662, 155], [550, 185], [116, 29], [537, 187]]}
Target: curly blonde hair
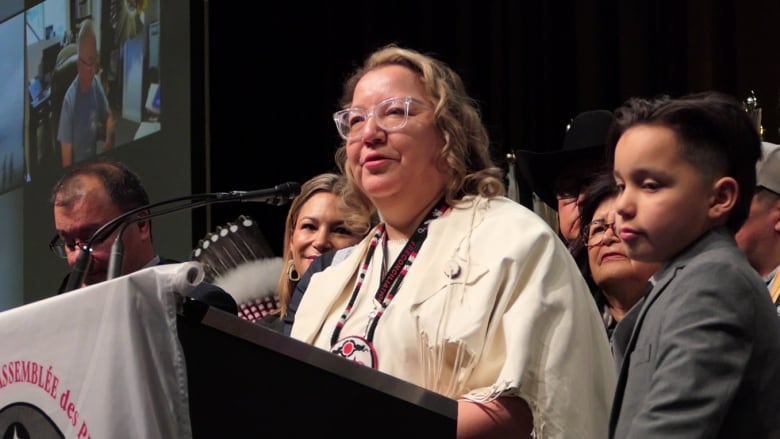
{"points": [[467, 145]]}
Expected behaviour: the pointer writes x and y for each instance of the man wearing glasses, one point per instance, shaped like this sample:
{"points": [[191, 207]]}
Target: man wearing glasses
{"points": [[86, 118], [90, 195], [559, 177]]}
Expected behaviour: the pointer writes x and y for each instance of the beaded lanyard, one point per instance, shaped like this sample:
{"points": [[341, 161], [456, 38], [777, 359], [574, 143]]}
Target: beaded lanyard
{"points": [[391, 281]]}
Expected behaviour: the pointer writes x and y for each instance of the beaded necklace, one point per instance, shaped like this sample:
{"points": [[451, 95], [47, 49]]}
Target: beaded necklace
{"points": [[361, 349]]}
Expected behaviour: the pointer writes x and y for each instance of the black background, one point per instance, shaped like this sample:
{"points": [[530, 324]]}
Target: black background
{"points": [[274, 77]]}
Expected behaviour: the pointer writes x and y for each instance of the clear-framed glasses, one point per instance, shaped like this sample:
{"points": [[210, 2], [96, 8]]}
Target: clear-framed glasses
{"points": [[61, 248], [90, 64], [595, 232], [390, 115]]}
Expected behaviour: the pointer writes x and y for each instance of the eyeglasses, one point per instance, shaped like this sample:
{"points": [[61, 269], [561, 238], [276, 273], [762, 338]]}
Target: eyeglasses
{"points": [[390, 115], [61, 248], [595, 232], [88, 64]]}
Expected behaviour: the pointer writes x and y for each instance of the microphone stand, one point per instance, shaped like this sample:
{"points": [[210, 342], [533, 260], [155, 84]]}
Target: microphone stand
{"points": [[76, 277], [118, 247], [278, 196]]}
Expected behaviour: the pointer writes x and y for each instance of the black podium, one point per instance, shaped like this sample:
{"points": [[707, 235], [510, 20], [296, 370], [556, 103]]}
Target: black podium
{"points": [[247, 381]]}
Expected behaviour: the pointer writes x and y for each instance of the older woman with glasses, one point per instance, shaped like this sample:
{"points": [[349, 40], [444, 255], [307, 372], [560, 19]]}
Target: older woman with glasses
{"points": [[459, 289], [620, 282]]}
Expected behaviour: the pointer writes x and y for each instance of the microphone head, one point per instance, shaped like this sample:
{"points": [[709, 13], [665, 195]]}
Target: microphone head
{"points": [[79, 272], [215, 296], [277, 196], [285, 192], [291, 189]]}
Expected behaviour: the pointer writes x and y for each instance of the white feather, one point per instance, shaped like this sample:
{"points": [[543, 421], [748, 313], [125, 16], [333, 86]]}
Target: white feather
{"points": [[251, 280]]}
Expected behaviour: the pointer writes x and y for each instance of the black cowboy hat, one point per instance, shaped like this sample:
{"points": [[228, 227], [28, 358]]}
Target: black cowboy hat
{"points": [[584, 142]]}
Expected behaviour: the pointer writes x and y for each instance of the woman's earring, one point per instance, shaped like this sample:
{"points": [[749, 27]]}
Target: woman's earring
{"points": [[292, 274]]}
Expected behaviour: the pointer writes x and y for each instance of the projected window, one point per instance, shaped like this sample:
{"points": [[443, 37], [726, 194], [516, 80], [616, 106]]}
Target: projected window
{"points": [[12, 169], [45, 27], [132, 43]]}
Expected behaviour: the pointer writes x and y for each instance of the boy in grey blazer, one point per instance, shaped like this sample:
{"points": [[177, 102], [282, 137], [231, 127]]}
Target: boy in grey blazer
{"points": [[701, 356]]}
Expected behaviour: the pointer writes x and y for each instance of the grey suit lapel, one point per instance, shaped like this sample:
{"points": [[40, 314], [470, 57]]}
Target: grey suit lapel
{"points": [[677, 263], [623, 330], [666, 275], [624, 352]]}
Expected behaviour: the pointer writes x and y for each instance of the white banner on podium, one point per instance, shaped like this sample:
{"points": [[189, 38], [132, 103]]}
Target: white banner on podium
{"points": [[99, 362]]}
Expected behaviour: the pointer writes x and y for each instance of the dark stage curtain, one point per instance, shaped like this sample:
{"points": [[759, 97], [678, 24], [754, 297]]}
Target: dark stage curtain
{"points": [[275, 76]]}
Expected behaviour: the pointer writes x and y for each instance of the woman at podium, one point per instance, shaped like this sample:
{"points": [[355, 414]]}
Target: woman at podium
{"points": [[459, 289]]}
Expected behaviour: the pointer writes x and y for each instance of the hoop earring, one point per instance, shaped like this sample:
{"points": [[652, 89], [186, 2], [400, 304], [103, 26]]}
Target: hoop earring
{"points": [[292, 274]]}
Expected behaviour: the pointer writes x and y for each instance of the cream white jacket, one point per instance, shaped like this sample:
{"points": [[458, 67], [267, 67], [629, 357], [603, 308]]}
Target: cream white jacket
{"points": [[493, 305]]}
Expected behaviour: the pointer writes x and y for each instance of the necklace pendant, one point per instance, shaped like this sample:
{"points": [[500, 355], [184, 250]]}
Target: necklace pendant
{"points": [[357, 349]]}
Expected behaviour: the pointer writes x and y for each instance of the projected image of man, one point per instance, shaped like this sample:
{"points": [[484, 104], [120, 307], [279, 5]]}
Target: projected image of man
{"points": [[86, 122]]}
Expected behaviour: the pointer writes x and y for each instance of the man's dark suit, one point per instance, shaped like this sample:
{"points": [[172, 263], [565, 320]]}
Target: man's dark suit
{"points": [[316, 266]]}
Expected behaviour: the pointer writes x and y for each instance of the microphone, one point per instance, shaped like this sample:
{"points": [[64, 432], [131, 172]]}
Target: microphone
{"points": [[80, 267], [278, 195], [215, 296]]}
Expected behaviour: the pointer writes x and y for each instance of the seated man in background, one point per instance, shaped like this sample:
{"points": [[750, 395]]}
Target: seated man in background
{"points": [[759, 236], [559, 177], [84, 199]]}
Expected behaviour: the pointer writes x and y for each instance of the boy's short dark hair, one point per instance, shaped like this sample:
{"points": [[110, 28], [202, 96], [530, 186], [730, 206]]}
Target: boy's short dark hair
{"points": [[716, 133]]}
